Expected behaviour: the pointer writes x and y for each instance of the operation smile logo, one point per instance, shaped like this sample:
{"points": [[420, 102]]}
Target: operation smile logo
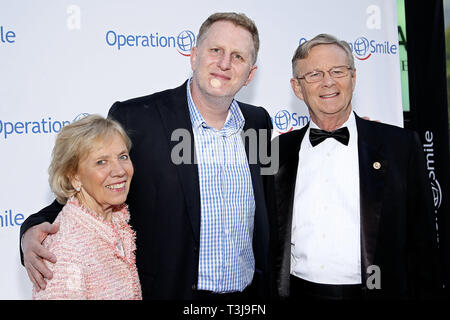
{"points": [[364, 48], [44, 126], [428, 148], [285, 121], [183, 42]]}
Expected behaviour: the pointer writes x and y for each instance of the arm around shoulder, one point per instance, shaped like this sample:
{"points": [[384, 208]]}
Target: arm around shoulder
{"points": [[47, 214]]}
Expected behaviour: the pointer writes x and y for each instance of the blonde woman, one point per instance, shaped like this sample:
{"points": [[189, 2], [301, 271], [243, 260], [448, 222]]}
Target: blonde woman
{"points": [[90, 173]]}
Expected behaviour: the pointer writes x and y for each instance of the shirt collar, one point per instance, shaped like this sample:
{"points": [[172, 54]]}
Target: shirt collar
{"points": [[350, 123]]}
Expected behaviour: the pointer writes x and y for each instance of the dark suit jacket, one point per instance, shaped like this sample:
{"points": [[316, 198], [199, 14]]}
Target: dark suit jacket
{"points": [[397, 229], [164, 198]]}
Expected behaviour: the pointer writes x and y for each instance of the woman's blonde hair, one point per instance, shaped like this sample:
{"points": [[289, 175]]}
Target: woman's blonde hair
{"points": [[73, 144]]}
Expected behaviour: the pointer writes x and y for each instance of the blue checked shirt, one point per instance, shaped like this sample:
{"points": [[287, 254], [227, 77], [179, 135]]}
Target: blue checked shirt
{"points": [[227, 203]]}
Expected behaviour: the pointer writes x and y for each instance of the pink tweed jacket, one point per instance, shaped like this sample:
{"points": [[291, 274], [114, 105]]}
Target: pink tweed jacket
{"points": [[95, 258]]}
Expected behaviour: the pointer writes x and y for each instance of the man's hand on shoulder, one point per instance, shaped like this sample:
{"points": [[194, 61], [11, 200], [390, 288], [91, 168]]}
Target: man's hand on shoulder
{"points": [[367, 118], [34, 253]]}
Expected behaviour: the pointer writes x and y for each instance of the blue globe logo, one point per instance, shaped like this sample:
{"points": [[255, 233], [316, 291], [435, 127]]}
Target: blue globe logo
{"points": [[282, 120], [185, 42], [80, 116], [361, 47]]}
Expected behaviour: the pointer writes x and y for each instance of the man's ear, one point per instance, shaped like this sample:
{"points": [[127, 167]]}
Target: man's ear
{"points": [[251, 75], [193, 57], [297, 88], [353, 79]]}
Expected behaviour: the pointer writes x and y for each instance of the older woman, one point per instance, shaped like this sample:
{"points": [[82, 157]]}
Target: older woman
{"points": [[90, 173]]}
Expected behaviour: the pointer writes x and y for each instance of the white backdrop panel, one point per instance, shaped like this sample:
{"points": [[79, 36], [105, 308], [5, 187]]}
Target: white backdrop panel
{"points": [[56, 63]]}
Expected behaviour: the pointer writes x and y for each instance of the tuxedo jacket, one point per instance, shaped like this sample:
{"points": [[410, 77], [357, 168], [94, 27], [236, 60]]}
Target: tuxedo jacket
{"points": [[396, 216], [164, 198]]}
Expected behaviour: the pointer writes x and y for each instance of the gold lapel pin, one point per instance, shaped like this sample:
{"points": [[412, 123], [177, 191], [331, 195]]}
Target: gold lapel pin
{"points": [[376, 165]]}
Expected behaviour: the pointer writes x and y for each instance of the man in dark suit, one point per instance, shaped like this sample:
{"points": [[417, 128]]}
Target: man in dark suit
{"points": [[201, 219], [353, 198]]}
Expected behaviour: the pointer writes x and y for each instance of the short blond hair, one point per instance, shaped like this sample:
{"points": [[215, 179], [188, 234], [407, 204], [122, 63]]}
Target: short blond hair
{"points": [[238, 19], [73, 144]]}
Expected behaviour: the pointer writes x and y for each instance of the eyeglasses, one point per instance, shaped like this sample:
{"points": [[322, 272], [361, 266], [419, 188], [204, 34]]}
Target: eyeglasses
{"points": [[317, 75]]}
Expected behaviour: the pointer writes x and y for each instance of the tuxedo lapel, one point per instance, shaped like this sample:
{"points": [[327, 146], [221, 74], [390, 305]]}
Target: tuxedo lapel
{"points": [[285, 181], [372, 172], [174, 113]]}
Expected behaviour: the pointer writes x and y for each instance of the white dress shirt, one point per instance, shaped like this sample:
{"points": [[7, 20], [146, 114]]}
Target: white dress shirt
{"points": [[325, 245]]}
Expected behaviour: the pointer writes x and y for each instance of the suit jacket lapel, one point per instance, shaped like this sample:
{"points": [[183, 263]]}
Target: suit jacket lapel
{"points": [[261, 232], [372, 172], [254, 167], [285, 181], [174, 113]]}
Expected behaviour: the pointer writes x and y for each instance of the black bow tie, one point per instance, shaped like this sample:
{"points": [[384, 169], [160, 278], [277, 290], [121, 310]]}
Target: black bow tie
{"points": [[316, 136]]}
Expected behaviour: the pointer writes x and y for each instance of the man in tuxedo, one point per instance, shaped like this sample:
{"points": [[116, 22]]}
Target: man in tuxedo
{"points": [[201, 214], [354, 203]]}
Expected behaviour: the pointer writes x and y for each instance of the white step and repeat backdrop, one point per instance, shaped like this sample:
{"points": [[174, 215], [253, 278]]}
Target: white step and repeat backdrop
{"points": [[62, 59]]}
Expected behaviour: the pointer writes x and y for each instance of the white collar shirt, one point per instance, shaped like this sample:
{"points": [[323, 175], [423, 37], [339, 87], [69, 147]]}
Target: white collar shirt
{"points": [[325, 245]]}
